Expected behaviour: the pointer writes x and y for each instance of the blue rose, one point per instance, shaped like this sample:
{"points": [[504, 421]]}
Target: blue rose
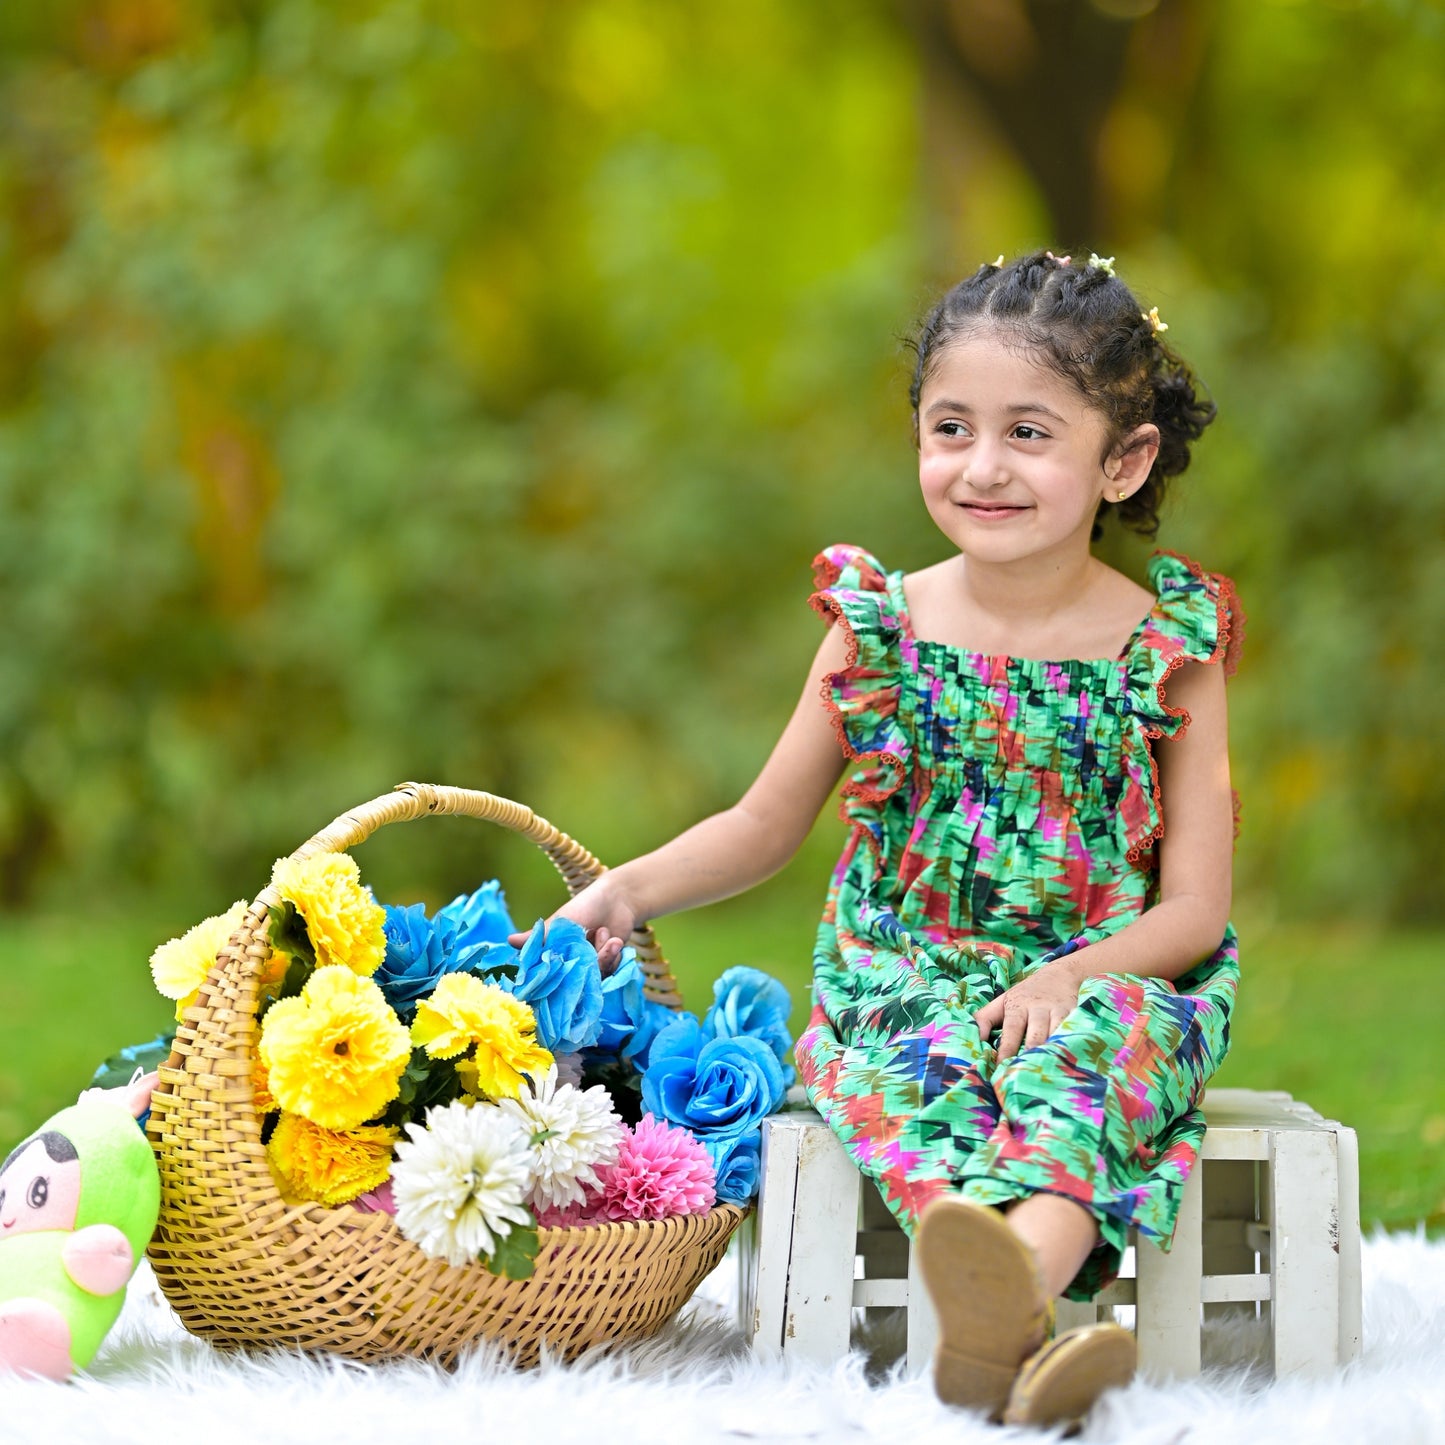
{"points": [[481, 917], [737, 1164], [623, 1005], [630, 1020], [715, 1087], [419, 951], [557, 974], [747, 1001], [655, 1018]]}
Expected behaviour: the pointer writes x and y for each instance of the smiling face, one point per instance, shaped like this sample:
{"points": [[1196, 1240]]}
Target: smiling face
{"points": [[38, 1192], [1013, 462]]}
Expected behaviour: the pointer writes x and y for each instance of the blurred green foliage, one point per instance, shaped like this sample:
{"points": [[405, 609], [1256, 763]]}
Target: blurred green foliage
{"points": [[400, 391], [458, 390]]}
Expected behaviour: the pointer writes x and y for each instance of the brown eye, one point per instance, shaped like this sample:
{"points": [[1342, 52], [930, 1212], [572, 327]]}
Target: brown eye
{"points": [[38, 1192]]}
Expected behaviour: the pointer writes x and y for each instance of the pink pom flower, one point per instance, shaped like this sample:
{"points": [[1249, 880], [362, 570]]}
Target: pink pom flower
{"points": [[376, 1201], [569, 1216], [660, 1171]]}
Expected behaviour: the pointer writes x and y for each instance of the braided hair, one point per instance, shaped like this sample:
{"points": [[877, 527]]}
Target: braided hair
{"points": [[1085, 324]]}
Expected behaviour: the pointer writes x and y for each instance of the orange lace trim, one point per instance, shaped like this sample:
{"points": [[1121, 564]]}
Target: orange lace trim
{"points": [[1230, 624], [831, 610], [826, 571]]}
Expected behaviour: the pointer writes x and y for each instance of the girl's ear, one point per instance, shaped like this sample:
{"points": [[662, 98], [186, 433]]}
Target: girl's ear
{"points": [[1127, 466]]}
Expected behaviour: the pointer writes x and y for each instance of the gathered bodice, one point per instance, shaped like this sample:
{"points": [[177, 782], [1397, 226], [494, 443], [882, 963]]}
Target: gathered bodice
{"points": [[1009, 799]]}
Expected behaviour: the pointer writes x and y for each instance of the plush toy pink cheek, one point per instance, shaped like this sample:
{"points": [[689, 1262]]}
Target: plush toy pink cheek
{"points": [[98, 1258], [37, 1193]]}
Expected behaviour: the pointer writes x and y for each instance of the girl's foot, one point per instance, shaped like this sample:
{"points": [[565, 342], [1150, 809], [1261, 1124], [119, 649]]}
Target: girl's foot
{"points": [[989, 1297], [1058, 1385]]}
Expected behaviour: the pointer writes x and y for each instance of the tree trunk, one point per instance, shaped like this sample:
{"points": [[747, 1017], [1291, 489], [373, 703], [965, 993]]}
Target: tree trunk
{"points": [[1048, 73]]}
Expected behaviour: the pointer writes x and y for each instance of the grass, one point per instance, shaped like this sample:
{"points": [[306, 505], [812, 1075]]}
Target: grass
{"points": [[1341, 1017], [76, 988]]}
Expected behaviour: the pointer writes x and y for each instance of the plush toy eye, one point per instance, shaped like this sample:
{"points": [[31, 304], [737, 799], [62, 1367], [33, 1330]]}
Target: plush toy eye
{"points": [[38, 1192]]}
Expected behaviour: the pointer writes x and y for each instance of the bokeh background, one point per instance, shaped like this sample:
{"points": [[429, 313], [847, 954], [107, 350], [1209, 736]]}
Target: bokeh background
{"points": [[459, 389]]}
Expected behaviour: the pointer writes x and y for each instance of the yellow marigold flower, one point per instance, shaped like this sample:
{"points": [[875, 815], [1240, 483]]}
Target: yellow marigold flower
{"points": [[329, 1166], [261, 1087], [273, 972], [345, 923], [336, 1052], [464, 1011], [179, 967]]}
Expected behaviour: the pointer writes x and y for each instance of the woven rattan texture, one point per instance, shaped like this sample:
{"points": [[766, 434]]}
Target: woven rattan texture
{"points": [[244, 1268]]}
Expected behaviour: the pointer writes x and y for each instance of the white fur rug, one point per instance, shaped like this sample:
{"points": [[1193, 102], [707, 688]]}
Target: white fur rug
{"points": [[153, 1382]]}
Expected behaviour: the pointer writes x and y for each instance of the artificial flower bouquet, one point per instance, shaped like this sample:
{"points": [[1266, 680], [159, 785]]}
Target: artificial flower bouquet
{"points": [[425, 1067]]}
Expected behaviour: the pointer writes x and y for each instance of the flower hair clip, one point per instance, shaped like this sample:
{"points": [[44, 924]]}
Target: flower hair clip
{"points": [[1152, 317], [1058, 260], [1101, 263], [997, 265]]}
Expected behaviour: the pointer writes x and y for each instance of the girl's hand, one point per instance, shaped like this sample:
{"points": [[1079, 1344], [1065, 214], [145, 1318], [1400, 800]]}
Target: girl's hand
{"points": [[1030, 1011], [606, 917]]}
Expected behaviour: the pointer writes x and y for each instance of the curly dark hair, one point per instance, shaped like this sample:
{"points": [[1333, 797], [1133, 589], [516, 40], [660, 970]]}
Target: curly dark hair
{"points": [[1082, 322]]}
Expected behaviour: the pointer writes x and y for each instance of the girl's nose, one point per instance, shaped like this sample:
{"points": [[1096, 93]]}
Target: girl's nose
{"points": [[986, 466]]}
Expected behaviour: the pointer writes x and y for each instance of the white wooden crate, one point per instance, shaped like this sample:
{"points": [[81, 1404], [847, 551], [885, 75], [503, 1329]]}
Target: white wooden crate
{"points": [[1269, 1223]]}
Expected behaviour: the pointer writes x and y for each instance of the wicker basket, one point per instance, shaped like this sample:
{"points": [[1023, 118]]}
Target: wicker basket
{"points": [[244, 1268]]}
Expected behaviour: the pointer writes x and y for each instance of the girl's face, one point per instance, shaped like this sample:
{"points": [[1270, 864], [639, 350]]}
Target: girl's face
{"points": [[1012, 460]]}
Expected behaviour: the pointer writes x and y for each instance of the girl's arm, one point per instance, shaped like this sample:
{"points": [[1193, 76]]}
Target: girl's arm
{"points": [[733, 850], [1195, 859]]}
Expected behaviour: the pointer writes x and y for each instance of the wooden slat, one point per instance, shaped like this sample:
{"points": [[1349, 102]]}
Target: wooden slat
{"points": [[1168, 1299], [770, 1244], [1305, 1256], [873, 1293], [1217, 1289], [823, 1249]]}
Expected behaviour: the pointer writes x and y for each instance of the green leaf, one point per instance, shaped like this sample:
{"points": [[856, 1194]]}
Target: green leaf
{"points": [[287, 931], [515, 1255], [117, 1071], [425, 1083], [492, 973]]}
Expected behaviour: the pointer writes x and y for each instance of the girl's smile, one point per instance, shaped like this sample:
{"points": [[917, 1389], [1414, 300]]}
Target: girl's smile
{"points": [[992, 511]]}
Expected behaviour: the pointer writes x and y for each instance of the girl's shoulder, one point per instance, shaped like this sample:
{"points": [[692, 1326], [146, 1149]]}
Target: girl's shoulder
{"points": [[1196, 615]]}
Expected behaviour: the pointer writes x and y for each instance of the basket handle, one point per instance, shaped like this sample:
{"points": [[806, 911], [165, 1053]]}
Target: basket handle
{"points": [[416, 800]]}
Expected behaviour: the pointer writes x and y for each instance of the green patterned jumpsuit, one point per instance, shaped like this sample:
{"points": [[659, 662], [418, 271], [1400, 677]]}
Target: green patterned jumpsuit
{"points": [[1004, 813]]}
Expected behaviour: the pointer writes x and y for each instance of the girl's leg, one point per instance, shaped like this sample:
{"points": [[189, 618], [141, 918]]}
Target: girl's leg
{"points": [[1061, 1234]]}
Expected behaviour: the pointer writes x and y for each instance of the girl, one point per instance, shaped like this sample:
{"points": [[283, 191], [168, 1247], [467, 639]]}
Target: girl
{"points": [[1022, 980]]}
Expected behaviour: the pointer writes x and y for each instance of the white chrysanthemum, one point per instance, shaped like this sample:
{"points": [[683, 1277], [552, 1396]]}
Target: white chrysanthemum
{"points": [[460, 1182], [570, 1132]]}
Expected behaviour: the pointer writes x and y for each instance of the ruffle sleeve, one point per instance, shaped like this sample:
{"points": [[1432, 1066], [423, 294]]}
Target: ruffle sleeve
{"points": [[1196, 619], [865, 698]]}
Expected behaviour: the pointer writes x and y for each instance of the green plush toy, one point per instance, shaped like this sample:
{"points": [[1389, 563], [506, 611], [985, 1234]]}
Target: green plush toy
{"points": [[78, 1205]]}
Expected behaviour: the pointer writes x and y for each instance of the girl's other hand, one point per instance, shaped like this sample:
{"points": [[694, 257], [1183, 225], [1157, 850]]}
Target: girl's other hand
{"points": [[1030, 1011], [605, 916]]}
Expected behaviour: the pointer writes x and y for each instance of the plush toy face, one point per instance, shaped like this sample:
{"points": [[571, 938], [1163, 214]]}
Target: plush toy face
{"points": [[78, 1203], [39, 1191]]}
